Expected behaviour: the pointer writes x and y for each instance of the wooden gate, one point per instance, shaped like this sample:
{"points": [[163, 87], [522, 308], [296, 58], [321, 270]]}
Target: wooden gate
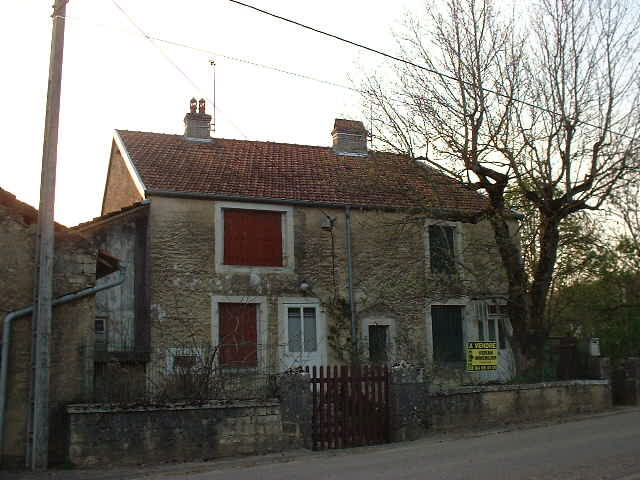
{"points": [[350, 406]]}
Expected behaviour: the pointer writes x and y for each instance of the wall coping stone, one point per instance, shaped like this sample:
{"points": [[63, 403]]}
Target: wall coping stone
{"points": [[502, 388], [79, 408]]}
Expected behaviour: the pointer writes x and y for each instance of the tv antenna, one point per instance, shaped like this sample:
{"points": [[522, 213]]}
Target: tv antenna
{"points": [[212, 63]]}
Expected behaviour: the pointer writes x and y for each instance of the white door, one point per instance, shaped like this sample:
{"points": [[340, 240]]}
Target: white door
{"points": [[303, 335]]}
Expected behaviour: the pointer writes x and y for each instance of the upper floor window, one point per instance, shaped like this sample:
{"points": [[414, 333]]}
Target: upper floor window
{"points": [[442, 252], [252, 238]]}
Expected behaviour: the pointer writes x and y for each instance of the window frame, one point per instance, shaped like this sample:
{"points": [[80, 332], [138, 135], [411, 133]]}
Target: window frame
{"points": [[457, 246], [321, 327], [390, 323], [288, 257], [468, 331], [499, 317], [262, 314], [463, 319]]}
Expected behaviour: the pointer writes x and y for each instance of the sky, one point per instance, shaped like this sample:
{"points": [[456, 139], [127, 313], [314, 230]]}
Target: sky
{"points": [[115, 78]]}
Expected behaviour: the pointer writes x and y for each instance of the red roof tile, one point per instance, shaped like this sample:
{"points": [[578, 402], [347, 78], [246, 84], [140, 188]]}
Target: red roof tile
{"points": [[26, 212], [292, 172], [134, 207]]}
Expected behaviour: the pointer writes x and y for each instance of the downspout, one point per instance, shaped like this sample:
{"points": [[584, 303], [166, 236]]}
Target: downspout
{"points": [[352, 304], [6, 336]]}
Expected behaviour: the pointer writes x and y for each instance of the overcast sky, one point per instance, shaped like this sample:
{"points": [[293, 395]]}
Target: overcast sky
{"points": [[114, 78]]}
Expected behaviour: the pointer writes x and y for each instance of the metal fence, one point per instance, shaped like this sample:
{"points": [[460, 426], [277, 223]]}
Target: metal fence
{"points": [[175, 374]]}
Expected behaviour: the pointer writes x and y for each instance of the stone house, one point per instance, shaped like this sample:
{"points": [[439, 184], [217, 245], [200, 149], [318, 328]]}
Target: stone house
{"points": [[281, 255], [77, 265]]}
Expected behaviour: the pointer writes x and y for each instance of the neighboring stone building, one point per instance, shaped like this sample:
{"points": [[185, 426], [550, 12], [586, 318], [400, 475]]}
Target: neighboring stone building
{"points": [[279, 253], [76, 267]]}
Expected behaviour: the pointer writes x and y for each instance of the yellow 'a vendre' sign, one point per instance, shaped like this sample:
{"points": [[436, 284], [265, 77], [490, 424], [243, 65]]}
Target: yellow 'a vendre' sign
{"points": [[482, 356]]}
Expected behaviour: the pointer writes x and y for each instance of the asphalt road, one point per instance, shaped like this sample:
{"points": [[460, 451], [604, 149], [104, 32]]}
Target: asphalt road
{"points": [[600, 447]]}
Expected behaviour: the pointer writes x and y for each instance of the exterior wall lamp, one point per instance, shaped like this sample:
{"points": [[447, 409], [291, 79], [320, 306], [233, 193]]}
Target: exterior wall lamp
{"points": [[304, 286]]}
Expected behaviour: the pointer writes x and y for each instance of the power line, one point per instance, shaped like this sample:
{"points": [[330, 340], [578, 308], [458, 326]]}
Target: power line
{"points": [[416, 65], [174, 64], [222, 55]]}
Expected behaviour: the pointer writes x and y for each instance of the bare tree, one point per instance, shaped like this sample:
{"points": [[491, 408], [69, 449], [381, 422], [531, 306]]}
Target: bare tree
{"points": [[546, 104]]}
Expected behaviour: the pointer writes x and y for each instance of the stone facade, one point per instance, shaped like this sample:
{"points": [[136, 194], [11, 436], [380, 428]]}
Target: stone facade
{"points": [[392, 283], [71, 348], [103, 434]]}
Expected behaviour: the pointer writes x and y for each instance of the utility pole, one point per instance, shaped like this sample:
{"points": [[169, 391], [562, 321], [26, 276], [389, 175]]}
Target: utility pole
{"points": [[43, 297]]}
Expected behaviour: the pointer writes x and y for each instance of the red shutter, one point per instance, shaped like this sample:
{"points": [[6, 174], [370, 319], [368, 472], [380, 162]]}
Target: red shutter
{"points": [[238, 334], [252, 238]]}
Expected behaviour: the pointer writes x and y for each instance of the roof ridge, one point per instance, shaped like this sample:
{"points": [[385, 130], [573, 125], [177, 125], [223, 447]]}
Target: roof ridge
{"points": [[177, 135]]}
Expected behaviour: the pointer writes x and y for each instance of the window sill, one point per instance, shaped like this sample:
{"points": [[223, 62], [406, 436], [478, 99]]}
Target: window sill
{"points": [[249, 269]]}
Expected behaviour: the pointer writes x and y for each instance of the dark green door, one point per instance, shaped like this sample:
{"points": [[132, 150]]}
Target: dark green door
{"points": [[446, 321]]}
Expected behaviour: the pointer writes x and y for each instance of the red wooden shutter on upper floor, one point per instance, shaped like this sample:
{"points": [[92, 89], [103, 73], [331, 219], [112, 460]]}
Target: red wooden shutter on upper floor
{"points": [[252, 238], [238, 334]]}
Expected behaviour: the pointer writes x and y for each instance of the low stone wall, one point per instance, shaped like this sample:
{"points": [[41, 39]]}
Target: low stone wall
{"points": [[102, 434], [502, 404]]}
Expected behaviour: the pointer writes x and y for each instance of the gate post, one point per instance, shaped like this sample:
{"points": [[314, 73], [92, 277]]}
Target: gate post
{"points": [[296, 409], [408, 397]]}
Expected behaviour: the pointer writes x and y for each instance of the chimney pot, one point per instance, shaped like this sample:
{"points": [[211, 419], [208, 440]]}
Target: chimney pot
{"points": [[197, 124], [349, 138]]}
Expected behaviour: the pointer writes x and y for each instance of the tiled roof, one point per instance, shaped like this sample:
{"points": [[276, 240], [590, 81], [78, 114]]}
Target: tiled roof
{"points": [[134, 207], [26, 212], [292, 172]]}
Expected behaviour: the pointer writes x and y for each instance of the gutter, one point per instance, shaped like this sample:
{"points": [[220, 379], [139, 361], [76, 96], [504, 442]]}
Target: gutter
{"points": [[6, 336], [352, 304]]}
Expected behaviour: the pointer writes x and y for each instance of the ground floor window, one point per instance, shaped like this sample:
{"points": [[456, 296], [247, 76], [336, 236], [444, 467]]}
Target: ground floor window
{"points": [[238, 334], [446, 324], [378, 343], [302, 329], [302, 333]]}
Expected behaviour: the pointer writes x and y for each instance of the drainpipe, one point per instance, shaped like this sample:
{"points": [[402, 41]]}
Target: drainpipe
{"points": [[352, 304], [6, 336]]}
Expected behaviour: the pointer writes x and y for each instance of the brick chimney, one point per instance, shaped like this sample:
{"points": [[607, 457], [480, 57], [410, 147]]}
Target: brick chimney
{"points": [[349, 138], [197, 124]]}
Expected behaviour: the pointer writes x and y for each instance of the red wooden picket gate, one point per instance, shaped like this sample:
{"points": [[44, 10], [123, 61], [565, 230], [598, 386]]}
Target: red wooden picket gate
{"points": [[350, 406]]}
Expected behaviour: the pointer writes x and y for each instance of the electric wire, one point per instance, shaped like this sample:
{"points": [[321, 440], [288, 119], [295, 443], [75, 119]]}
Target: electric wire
{"points": [[232, 58], [175, 65], [420, 67]]}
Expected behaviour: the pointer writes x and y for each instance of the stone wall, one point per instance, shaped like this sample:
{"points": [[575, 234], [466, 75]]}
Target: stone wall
{"points": [[467, 407], [71, 366], [120, 191], [103, 434]]}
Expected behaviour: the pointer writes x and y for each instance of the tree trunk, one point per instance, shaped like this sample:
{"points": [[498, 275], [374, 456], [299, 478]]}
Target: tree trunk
{"points": [[517, 283]]}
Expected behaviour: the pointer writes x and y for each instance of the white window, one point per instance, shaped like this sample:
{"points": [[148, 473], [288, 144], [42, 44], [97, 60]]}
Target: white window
{"points": [[101, 332], [491, 318], [302, 333]]}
